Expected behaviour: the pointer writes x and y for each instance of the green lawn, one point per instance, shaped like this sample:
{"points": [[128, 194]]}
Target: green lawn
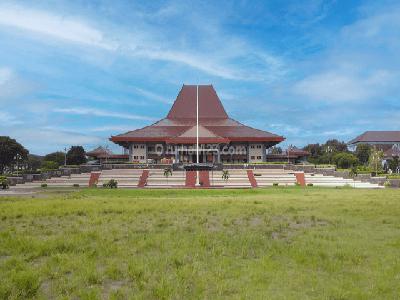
{"points": [[276, 243]]}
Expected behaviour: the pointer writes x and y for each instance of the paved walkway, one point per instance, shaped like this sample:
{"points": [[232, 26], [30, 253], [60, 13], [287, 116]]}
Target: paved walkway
{"points": [[12, 191]]}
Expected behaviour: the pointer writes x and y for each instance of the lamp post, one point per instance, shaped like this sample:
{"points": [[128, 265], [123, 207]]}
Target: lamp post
{"points": [[65, 156], [329, 151], [107, 152], [17, 157]]}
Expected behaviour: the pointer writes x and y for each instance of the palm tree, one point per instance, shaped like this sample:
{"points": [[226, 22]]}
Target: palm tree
{"points": [[225, 175], [167, 173], [353, 174]]}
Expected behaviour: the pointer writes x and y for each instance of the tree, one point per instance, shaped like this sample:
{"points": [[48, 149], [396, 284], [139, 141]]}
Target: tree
{"points": [[225, 175], [394, 163], [76, 155], [9, 150], [315, 151], [34, 162], [49, 165], [167, 173], [363, 151], [336, 146], [58, 157], [276, 150], [375, 160], [345, 160]]}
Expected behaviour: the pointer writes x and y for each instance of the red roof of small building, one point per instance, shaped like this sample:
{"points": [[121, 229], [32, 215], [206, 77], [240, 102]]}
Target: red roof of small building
{"points": [[377, 137], [179, 127], [101, 152]]}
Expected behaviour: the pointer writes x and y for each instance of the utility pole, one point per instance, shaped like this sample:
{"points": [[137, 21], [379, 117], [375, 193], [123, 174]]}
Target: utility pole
{"points": [[65, 157]]}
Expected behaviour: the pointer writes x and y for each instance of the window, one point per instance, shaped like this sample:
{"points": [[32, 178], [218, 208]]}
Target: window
{"points": [[135, 157], [135, 146], [142, 157], [252, 146], [258, 157], [141, 146], [258, 146], [150, 148], [252, 157]]}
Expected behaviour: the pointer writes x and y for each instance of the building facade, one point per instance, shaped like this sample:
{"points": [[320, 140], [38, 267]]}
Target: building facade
{"points": [[382, 140], [221, 138]]}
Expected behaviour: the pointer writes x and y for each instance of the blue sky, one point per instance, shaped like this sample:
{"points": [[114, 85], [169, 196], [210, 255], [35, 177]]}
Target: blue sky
{"points": [[76, 72]]}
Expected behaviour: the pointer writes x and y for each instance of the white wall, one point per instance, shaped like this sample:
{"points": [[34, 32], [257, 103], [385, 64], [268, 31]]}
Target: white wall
{"points": [[137, 152], [256, 153]]}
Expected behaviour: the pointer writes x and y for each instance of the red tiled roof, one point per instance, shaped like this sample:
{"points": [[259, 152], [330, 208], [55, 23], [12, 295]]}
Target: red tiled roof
{"points": [[98, 151], [101, 152], [210, 106], [180, 124], [377, 137], [392, 152]]}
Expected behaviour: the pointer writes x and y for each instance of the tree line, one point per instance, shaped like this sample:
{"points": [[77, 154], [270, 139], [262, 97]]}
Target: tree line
{"points": [[365, 157], [14, 156]]}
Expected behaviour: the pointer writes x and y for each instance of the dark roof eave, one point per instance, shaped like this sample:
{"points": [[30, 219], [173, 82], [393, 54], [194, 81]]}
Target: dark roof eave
{"points": [[116, 139], [179, 140]]}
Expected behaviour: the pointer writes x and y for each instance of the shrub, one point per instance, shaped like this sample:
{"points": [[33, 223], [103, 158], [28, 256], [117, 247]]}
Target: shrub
{"points": [[387, 183], [275, 184], [48, 165], [4, 182], [44, 185], [310, 184], [353, 172], [112, 184], [345, 160], [76, 185]]}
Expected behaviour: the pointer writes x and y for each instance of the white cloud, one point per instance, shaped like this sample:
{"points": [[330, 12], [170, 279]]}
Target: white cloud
{"points": [[152, 96], [229, 60], [360, 64], [57, 26], [5, 75], [117, 128], [42, 141], [343, 86], [101, 113], [7, 119]]}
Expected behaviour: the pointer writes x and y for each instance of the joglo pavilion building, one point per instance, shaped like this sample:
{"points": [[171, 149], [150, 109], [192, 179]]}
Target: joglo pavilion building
{"points": [[173, 139]]}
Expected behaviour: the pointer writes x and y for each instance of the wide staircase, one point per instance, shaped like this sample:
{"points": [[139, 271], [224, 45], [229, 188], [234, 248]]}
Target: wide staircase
{"points": [[126, 178], [238, 178], [64, 181], [331, 181], [270, 177], [157, 179]]}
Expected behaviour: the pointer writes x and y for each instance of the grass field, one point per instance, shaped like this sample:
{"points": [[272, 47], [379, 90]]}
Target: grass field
{"points": [[276, 243]]}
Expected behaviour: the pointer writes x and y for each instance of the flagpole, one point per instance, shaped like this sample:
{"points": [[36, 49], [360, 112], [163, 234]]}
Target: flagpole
{"points": [[197, 134], [197, 122]]}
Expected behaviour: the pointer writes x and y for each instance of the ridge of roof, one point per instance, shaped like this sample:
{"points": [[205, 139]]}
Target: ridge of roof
{"points": [[377, 136], [210, 105]]}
